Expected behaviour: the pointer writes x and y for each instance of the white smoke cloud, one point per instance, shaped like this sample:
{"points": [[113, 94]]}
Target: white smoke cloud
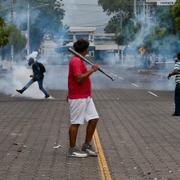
{"points": [[33, 55], [16, 80]]}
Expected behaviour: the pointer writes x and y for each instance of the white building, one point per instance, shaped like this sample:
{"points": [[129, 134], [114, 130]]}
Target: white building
{"points": [[101, 44]]}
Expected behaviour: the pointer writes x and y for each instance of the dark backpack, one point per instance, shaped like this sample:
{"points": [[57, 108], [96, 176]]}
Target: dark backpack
{"points": [[42, 68]]}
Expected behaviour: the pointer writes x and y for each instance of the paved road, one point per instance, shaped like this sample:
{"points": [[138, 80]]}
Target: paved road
{"points": [[28, 132], [140, 138]]}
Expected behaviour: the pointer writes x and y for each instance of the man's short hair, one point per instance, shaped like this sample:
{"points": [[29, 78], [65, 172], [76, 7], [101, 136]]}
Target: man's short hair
{"points": [[178, 55], [31, 61], [81, 45]]}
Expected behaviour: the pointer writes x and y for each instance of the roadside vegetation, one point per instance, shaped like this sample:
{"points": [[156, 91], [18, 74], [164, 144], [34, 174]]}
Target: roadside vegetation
{"points": [[45, 17], [126, 26]]}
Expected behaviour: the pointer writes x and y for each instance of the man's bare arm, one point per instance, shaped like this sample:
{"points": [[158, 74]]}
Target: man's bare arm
{"points": [[175, 72], [84, 76]]}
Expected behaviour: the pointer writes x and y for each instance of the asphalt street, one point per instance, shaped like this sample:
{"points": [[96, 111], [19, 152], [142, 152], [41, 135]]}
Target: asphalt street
{"points": [[139, 137]]}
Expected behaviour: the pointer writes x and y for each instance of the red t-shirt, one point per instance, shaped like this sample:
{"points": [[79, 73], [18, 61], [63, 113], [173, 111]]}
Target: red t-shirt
{"points": [[78, 90]]}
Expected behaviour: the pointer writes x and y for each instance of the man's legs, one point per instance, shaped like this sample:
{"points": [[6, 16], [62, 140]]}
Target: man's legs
{"points": [[73, 130], [177, 100], [26, 86], [90, 130], [89, 134], [40, 83], [73, 152], [92, 117]]}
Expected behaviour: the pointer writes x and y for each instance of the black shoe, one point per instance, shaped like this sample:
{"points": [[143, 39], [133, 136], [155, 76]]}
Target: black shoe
{"points": [[175, 114], [19, 91], [47, 96]]}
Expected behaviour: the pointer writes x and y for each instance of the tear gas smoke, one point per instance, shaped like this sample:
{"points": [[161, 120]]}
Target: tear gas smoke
{"points": [[33, 55], [56, 76], [18, 76], [154, 66], [17, 79]]}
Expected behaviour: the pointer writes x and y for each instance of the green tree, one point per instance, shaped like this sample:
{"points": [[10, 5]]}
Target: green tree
{"points": [[45, 18], [164, 32], [113, 6], [4, 33], [122, 22], [167, 22], [16, 38], [176, 15], [48, 21], [10, 34]]}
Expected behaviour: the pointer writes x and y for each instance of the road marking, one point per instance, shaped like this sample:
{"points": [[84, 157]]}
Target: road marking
{"points": [[133, 84], [120, 78], [101, 158], [58, 146], [153, 94]]}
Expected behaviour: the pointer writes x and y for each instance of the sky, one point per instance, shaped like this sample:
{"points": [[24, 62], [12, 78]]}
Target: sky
{"points": [[85, 13]]}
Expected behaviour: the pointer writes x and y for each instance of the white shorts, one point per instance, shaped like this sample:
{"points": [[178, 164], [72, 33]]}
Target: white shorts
{"points": [[82, 110]]}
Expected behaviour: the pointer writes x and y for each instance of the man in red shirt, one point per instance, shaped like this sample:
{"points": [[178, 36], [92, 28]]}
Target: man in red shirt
{"points": [[82, 108]]}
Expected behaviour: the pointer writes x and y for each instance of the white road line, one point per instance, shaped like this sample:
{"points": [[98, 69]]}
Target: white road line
{"points": [[133, 84], [153, 94], [120, 78], [58, 146]]}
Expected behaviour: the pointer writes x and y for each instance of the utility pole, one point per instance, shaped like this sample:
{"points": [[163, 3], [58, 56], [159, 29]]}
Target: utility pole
{"points": [[29, 9], [28, 30], [135, 10], [12, 21], [121, 14]]}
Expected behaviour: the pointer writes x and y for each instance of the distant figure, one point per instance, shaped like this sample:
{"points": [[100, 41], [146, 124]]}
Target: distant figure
{"points": [[176, 72], [38, 75], [82, 108]]}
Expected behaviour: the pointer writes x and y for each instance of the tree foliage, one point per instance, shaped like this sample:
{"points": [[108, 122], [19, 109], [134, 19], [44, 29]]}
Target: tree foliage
{"points": [[48, 20], [167, 22], [176, 15], [16, 38], [112, 6], [10, 34], [164, 29], [122, 21], [45, 17], [4, 33]]}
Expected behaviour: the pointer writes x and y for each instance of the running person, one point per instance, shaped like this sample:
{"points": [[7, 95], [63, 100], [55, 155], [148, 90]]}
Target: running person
{"points": [[38, 75]]}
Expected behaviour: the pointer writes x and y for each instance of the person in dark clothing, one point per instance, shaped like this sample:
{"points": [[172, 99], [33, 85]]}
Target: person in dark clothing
{"points": [[176, 72], [38, 75]]}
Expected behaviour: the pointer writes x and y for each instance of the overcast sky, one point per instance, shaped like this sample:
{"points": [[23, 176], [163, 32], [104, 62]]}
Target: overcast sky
{"points": [[84, 13]]}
